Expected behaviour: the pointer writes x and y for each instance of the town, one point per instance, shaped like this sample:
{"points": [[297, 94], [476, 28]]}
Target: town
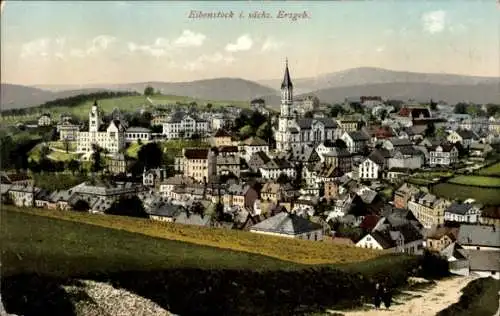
{"points": [[395, 175]]}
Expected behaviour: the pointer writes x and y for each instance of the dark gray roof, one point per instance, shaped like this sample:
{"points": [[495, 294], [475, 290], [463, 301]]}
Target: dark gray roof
{"points": [[400, 142], [465, 134], [459, 208], [337, 152], [306, 123], [287, 82], [286, 223], [138, 129], [167, 210], [478, 235]]}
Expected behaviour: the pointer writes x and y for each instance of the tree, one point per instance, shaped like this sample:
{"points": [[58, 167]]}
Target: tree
{"points": [[336, 110], [149, 91], [430, 130], [96, 158], [257, 119], [209, 106], [128, 206], [433, 106], [308, 114], [283, 179], [383, 114], [150, 155], [460, 108], [73, 166], [197, 208], [44, 151], [66, 144], [492, 109], [246, 131]]}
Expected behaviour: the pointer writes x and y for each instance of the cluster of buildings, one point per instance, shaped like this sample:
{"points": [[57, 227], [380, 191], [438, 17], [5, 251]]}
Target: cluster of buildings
{"points": [[323, 172]]}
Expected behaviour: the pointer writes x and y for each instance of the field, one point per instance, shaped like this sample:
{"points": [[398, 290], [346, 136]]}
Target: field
{"points": [[488, 196], [478, 181], [493, 170], [128, 104], [41, 255], [293, 250]]}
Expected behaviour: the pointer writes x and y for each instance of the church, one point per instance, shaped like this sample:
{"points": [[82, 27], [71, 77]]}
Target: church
{"points": [[295, 131], [110, 138]]}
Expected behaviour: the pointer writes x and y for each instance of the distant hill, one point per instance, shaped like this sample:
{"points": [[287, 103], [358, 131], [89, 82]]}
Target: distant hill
{"points": [[371, 75], [235, 89], [18, 96], [479, 93]]}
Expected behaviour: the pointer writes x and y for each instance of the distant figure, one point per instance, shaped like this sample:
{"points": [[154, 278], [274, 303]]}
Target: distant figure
{"points": [[387, 297], [378, 296]]}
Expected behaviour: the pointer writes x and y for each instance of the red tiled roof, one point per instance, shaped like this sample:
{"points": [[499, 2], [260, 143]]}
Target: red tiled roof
{"points": [[196, 153], [369, 222]]}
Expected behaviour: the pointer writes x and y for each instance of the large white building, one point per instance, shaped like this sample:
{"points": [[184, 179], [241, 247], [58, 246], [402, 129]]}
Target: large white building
{"points": [[183, 125], [111, 138], [294, 131]]}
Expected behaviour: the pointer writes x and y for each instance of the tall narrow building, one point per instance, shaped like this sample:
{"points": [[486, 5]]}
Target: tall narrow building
{"points": [[296, 132]]}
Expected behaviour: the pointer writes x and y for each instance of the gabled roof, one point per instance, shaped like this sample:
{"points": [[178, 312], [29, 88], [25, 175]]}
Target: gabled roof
{"points": [[465, 134], [254, 141], [277, 163], [459, 208], [358, 136], [262, 156], [286, 223], [222, 133], [196, 153], [287, 82]]}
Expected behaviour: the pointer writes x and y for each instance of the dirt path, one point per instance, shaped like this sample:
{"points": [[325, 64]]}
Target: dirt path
{"points": [[426, 302]]}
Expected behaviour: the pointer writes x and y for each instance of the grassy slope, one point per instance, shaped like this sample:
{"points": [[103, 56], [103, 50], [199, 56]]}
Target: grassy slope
{"points": [[489, 196], [294, 250], [37, 244], [479, 181], [128, 103], [493, 170]]}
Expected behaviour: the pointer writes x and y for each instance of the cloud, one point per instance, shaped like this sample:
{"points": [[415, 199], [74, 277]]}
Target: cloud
{"points": [[434, 22], [100, 43], [380, 49], [77, 53], [44, 47], [162, 46], [271, 45], [216, 58], [243, 43], [189, 38]]}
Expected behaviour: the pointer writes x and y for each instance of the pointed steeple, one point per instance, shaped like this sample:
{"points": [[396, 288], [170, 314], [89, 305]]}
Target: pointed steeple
{"points": [[287, 82]]}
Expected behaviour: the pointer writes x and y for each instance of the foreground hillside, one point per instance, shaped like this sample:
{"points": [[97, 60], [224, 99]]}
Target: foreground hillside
{"points": [[43, 257], [292, 250]]}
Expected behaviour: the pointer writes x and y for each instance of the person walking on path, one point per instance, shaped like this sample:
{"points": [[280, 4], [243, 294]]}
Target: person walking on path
{"points": [[377, 300], [387, 297]]}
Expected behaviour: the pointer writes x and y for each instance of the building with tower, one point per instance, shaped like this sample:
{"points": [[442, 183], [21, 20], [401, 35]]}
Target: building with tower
{"points": [[295, 131], [110, 138]]}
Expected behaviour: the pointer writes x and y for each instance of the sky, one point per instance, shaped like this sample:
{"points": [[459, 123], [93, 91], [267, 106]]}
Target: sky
{"points": [[90, 42]]}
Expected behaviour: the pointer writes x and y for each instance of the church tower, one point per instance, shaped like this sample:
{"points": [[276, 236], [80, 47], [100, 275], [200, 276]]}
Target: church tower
{"points": [[94, 118], [287, 112]]}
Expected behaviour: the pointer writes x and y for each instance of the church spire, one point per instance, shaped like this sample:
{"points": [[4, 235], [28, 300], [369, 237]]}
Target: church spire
{"points": [[287, 82]]}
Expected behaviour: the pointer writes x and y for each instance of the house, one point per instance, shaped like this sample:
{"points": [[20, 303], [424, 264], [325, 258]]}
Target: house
{"points": [[228, 165], [372, 167], [479, 237], [199, 163], [118, 163], [443, 155], [338, 158], [331, 190], [407, 157], [168, 185], [222, 138], [276, 167], [166, 212], [253, 145], [403, 195], [257, 161], [462, 136], [462, 212], [159, 119], [479, 150], [483, 263], [348, 123], [275, 192], [243, 196], [68, 129], [16, 178], [289, 225], [22, 195], [45, 120], [394, 143], [188, 218], [402, 239], [356, 141], [183, 125], [428, 209], [152, 177], [441, 238], [136, 133]]}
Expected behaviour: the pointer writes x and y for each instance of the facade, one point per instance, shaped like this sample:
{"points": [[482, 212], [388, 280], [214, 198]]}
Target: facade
{"points": [[199, 164], [45, 120], [369, 169], [443, 155], [462, 136], [68, 130], [253, 145], [118, 164], [428, 209], [403, 195], [134, 134], [401, 239], [182, 125], [307, 104], [222, 138], [294, 131], [276, 167], [462, 212], [339, 158], [111, 139], [356, 141]]}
